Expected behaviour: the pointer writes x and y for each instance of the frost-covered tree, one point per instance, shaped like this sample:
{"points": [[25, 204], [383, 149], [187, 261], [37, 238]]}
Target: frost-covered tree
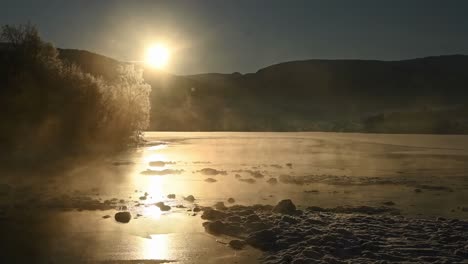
{"points": [[52, 108]]}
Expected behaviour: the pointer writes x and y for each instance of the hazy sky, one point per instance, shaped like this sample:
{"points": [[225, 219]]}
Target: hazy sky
{"points": [[228, 36]]}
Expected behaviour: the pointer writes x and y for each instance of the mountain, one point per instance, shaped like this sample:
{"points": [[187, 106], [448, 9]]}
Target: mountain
{"points": [[425, 95]]}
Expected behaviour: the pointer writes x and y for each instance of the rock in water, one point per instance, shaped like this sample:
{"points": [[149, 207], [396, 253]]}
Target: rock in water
{"points": [[123, 217], [210, 180], [285, 207], [231, 200], [162, 206], [272, 181], [171, 196], [190, 198]]}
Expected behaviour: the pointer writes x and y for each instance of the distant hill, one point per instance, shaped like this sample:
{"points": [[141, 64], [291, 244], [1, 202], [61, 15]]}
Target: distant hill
{"points": [[89, 62], [426, 95]]}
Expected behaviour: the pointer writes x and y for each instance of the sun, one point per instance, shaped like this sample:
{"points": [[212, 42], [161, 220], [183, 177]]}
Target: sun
{"points": [[157, 56]]}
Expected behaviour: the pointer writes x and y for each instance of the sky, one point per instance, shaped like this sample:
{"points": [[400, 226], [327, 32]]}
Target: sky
{"points": [[246, 35]]}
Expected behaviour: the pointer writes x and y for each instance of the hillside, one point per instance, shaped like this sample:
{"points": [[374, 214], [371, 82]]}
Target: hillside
{"points": [[325, 95], [426, 95]]}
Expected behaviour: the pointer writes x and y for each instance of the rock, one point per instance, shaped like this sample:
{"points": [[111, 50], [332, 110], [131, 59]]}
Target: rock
{"points": [[311, 253], [162, 206], [316, 209], [142, 198], [212, 214], [210, 180], [417, 190], [106, 216], [252, 218], [220, 206], [189, 198], [171, 196], [196, 209], [216, 227], [165, 208], [389, 203], [285, 207], [255, 226], [364, 210], [289, 165], [231, 200], [250, 180], [157, 163], [121, 163], [210, 171], [234, 219], [123, 217], [237, 244], [289, 219], [272, 181], [264, 239], [255, 174]]}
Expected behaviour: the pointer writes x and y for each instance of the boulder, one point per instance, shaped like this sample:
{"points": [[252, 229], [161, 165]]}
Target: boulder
{"points": [[220, 206], [285, 207], [123, 217], [189, 198]]}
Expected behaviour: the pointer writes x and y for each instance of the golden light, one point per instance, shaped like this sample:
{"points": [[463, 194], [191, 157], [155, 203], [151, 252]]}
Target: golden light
{"points": [[157, 56]]}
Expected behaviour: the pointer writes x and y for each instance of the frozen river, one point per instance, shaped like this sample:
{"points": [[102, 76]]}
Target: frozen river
{"points": [[421, 175]]}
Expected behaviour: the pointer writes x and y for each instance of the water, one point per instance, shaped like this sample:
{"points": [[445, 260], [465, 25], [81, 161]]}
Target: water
{"points": [[334, 169]]}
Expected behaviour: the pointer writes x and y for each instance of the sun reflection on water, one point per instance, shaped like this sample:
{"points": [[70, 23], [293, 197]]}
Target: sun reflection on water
{"points": [[152, 211], [157, 147], [155, 157], [156, 248]]}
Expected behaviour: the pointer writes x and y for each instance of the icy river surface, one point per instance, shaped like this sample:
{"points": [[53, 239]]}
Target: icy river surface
{"points": [[421, 176]]}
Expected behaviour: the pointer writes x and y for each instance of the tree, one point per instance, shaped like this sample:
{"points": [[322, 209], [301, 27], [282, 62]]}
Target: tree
{"points": [[52, 108]]}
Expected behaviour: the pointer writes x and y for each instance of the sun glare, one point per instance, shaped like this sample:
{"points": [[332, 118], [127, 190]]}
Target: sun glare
{"points": [[157, 56]]}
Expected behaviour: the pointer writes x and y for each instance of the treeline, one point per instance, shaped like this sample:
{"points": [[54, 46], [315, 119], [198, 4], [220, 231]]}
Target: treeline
{"points": [[52, 108], [452, 120]]}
